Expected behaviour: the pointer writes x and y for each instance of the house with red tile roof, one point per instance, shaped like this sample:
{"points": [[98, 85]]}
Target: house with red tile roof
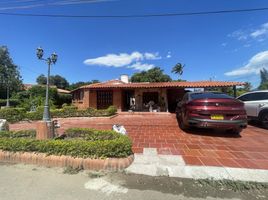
{"points": [[145, 96]]}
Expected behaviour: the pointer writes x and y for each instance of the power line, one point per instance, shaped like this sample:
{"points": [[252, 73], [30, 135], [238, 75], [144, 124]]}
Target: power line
{"points": [[136, 16]]}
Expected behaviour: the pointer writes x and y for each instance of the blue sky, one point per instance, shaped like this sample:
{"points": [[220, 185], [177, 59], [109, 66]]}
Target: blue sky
{"points": [[220, 46]]}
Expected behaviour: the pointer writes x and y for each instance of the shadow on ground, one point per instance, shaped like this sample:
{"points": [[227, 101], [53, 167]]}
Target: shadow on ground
{"points": [[211, 132], [194, 188]]}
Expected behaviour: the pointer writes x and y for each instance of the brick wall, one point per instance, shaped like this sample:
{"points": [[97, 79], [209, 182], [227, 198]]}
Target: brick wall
{"points": [[117, 99]]}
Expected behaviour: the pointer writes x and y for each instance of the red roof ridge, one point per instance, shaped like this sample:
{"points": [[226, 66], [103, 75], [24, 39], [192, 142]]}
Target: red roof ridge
{"points": [[181, 84]]}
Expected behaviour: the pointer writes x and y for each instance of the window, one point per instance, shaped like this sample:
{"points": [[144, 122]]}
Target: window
{"points": [[79, 95], [257, 96], [210, 95], [104, 99]]}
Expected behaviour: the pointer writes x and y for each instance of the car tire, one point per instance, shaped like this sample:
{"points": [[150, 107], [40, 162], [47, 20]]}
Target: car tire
{"points": [[264, 120], [235, 131], [182, 125]]}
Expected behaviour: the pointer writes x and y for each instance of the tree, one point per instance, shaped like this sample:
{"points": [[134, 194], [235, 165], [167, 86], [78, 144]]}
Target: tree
{"points": [[264, 79], [247, 87], [153, 75], [178, 69], [10, 78], [60, 82], [41, 80], [76, 85], [57, 80], [35, 97]]}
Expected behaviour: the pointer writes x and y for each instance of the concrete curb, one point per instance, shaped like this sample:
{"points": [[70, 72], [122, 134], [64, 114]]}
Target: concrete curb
{"points": [[152, 164], [42, 159]]}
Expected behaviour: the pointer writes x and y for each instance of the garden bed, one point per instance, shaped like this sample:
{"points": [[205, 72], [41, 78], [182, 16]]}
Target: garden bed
{"points": [[86, 148]]}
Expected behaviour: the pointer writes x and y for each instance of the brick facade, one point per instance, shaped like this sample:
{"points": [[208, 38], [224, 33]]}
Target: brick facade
{"points": [[90, 98], [117, 99]]}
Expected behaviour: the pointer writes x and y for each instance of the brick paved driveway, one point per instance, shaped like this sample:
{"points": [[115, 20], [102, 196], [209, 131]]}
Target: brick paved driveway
{"points": [[198, 147]]}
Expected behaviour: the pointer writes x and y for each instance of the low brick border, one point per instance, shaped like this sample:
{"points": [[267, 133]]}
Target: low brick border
{"points": [[65, 161]]}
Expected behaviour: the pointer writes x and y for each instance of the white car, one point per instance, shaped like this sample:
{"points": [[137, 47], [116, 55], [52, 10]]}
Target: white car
{"points": [[256, 105]]}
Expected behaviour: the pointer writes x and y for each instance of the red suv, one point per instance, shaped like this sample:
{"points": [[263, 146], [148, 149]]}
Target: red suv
{"points": [[211, 110]]}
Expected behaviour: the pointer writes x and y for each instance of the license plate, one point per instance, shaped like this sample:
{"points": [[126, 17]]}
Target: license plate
{"points": [[217, 117]]}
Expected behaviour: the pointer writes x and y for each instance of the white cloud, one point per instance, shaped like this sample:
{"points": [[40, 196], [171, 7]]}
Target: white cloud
{"points": [[152, 56], [250, 35], [260, 32], [141, 67], [254, 65], [168, 55], [239, 35], [132, 60], [115, 60]]}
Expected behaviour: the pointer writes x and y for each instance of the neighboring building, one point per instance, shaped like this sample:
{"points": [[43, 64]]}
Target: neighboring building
{"points": [[60, 91], [138, 96]]}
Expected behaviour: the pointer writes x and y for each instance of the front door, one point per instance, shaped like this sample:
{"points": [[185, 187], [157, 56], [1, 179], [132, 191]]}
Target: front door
{"points": [[128, 99]]}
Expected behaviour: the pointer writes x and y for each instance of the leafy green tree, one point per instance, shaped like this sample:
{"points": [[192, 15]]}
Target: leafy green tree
{"points": [[153, 75], [57, 80], [41, 79], [60, 82], [9, 74], [35, 97], [264, 79], [81, 83]]}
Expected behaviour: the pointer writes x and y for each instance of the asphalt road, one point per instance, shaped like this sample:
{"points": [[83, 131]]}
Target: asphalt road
{"points": [[19, 182]]}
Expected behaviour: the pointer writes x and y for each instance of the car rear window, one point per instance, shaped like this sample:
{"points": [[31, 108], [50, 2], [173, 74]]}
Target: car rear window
{"points": [[210, 95]]}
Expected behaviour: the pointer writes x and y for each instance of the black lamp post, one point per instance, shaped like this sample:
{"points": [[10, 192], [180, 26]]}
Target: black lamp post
{"points": [[50, 60]]}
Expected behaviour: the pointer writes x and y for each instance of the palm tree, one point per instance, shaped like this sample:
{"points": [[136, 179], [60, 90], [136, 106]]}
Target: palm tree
{"points": [[178, 69]]}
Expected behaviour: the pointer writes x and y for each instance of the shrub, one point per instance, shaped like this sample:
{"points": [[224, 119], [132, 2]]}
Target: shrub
{"points": [[12, 114], [117, 148], [18, 134], [63, 99], [18, 114], [12, 102], [36, 115], [91, 134], [111, 110]]}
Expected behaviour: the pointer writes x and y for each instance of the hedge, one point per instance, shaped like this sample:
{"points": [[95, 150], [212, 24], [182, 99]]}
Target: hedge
{"points": [[13, 114], [117, 148], [91, 134], [18, 114], [18, 134], [12, 102]]}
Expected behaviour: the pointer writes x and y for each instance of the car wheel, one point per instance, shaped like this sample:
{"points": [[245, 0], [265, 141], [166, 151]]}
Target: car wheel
{"points": [[235, 131], [182, 125], [264, 120]]}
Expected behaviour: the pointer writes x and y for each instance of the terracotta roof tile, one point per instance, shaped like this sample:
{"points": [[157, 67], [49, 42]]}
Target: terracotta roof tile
{"points": [[175, 84]]}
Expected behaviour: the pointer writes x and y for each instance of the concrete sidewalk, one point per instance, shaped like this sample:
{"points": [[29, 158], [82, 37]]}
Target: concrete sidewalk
{"points": [[153, 164], [28, 182]]}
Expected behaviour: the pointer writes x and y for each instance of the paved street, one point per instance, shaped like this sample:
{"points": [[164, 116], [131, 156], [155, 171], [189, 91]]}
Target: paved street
{"points": [[27, 182]]}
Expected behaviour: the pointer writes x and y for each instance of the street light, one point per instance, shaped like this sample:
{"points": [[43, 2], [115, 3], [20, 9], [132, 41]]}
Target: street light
{"points": [[50, 60]]}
